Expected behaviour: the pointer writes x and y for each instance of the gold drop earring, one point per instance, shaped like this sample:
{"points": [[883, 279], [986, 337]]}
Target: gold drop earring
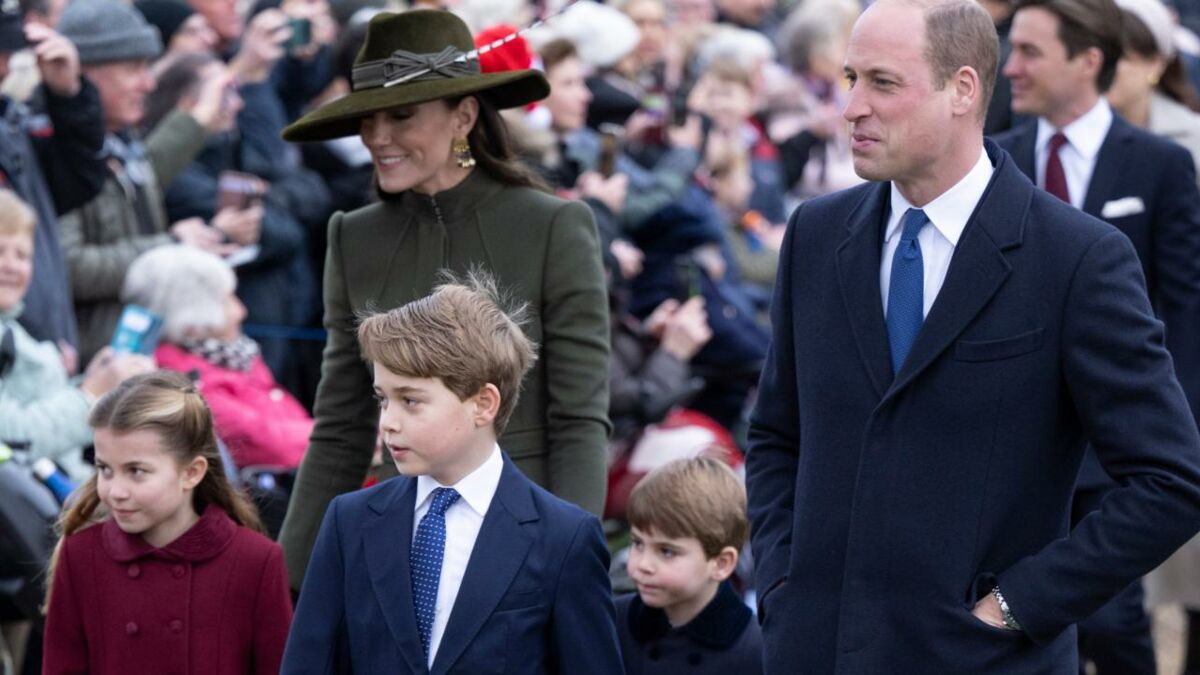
{"points": [[462, 153]]}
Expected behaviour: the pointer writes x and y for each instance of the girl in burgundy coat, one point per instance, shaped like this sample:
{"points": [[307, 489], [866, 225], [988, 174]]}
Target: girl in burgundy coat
{"points": [[161, 568]]}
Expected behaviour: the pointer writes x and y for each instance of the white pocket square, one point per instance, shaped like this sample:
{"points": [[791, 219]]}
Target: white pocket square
{"points": [[1125, 206]]}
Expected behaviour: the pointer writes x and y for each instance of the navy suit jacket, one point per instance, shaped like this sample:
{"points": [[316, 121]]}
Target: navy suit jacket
{"points": [[535, 598], [1166, 233], [883, 507]]}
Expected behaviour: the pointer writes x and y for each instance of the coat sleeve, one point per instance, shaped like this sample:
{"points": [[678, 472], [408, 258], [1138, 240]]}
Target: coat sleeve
{"points": [[277, 438], [272, 614], [71, 158], [343, 437], [316, 643], [65, 648], [583, 606], [1176, 260], [773, 456], [173, 144], [1121, 380], [575, 352]]}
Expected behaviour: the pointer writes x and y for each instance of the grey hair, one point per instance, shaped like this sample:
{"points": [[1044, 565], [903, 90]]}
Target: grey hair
{"points": [[815, 27], [745, 47], [185, 286]]}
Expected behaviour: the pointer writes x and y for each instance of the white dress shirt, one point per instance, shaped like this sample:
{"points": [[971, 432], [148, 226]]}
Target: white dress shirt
{"points": [[948, 214], [464, 518], [1078, 156]]}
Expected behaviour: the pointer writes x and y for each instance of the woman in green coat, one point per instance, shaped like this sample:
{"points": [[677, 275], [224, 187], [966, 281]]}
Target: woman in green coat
{"points": [[453, 197]]}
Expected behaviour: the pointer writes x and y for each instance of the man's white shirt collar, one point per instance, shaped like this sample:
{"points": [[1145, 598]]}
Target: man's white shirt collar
{"points": [[1085, 134], [951, 210], [476, 488]]}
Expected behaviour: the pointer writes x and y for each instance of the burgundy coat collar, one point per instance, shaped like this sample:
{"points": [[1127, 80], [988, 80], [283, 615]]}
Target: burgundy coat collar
{"points": [[718, 625], [204, 540]]}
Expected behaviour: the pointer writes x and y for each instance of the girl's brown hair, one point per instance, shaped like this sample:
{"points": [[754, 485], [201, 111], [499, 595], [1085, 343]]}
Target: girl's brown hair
{"points": [[168, 404]]}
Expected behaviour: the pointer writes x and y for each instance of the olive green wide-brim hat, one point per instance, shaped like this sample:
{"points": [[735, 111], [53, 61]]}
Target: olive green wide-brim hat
{"points": [[410, 58]]}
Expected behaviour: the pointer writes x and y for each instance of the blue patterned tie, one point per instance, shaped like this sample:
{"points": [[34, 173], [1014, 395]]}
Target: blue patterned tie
{"points": [[425, 561], [906, 302]]}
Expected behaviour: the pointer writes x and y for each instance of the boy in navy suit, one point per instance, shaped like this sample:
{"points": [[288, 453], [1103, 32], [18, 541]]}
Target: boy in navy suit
{"points": [[688, 522], [461, 564]]}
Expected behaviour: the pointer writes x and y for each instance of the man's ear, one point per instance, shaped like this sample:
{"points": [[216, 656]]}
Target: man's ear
{"points": [[1093, 58], [194, 472], [967, 90], [722, 566], [487, 405]]}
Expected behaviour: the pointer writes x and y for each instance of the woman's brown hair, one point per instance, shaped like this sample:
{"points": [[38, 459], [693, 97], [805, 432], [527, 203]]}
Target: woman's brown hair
{"points": [[168, 404], [1173, 83], [492, 149]]}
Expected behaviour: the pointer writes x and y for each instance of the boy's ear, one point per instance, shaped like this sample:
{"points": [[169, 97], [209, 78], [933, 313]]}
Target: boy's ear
{"points": [[487, 405], [194, 472], [724, 563]]}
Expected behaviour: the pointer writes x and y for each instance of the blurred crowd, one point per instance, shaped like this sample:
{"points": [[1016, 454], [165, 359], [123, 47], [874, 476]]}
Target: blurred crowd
{"points": [[145, 139]]}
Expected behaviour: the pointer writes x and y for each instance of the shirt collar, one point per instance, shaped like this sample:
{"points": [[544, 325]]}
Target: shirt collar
{"points": [[1085, 134], [476, 488], [951, 210]]}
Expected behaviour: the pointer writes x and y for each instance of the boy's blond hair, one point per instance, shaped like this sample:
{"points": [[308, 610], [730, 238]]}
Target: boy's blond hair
{"points": [[459, 334], [15, 215], [699, 497]]}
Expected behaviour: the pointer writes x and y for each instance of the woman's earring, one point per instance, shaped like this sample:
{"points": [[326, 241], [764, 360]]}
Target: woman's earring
{"points": [[462, 153]]}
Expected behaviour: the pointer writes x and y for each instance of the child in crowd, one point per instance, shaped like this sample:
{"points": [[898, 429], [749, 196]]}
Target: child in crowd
{"points": [[461, 564], [161, 568], [688, 521]]}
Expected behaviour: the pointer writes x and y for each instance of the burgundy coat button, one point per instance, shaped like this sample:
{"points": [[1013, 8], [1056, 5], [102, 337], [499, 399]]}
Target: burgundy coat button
{"points": [[177, 571], [131, 628], [134, 571], [176, 625]]}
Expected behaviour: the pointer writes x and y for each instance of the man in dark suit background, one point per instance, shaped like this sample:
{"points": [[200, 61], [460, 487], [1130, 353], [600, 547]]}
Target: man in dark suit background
{"points": [[1064, 58], [946, 341]]}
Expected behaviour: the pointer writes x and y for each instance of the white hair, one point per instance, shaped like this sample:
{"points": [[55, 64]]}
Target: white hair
{"points": [[185, 286], [748, 48], [483, 14]]}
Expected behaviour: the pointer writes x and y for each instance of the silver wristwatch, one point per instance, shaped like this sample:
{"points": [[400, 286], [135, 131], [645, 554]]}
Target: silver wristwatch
{"points": [[1010, 621]]}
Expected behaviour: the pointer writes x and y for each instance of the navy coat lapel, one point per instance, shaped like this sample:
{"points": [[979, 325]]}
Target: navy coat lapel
{"points": [[978, 267], [1024, 140], [1113, 156], [858, 273], [387, 540], [495, 561]]}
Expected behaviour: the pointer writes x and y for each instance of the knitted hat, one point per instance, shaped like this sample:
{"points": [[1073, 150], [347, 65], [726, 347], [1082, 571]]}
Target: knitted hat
{"points": [[165, 15], [107, 30], [12, 27]]}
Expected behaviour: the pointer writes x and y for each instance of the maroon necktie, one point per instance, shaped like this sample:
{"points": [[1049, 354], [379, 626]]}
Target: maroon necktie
{"points": [[1056, 180]]}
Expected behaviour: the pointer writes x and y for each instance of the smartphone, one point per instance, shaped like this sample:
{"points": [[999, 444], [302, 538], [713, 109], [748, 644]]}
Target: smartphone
{"points": [[301, 33], [238, 190], [137, 331], [607, 165], [687, 278]]}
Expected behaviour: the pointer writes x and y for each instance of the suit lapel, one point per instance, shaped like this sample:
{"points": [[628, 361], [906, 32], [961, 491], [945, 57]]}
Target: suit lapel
{"points": [[1024, 140], [1113, 156], [858, 274], [977, 269], [387, 540], [498, 555]]}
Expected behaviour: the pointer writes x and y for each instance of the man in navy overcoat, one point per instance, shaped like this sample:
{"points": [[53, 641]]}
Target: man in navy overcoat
{"points": [[947, 339]]}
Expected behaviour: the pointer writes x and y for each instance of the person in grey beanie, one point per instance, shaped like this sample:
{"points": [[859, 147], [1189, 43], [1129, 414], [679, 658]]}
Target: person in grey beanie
{"points": [[102, 238]]}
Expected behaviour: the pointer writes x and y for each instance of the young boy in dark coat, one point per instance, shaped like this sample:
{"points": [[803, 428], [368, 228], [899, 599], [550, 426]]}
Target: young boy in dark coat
{"points": [[461, 564], [688, 522]]}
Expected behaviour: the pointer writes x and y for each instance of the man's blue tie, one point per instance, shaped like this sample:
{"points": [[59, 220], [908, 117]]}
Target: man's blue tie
{"points": [[425, 561], [906, 302]]}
